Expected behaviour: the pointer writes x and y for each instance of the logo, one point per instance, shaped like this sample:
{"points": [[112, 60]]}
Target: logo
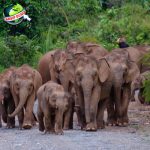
{"points": [[15, 14]]}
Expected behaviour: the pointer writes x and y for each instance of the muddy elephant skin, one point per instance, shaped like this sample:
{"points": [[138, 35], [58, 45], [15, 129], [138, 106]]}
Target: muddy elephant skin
{"points": [[43, 66], [54, 108], [124, 71], [7, 104], [91, 78], [24, 83]]}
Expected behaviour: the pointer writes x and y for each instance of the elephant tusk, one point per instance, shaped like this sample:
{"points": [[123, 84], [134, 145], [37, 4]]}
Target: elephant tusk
{"points": [[136, 95]]}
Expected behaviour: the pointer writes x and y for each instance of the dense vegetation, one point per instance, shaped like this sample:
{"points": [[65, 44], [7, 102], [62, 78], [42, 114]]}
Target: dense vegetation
{"points": [[55, 22]]}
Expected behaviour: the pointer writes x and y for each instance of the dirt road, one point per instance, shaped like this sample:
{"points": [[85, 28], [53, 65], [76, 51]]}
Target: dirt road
{"points": [[134, 137]]}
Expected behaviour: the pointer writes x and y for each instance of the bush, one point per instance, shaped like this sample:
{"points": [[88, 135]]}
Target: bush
{"points": [[18, 50], [146, 92]]}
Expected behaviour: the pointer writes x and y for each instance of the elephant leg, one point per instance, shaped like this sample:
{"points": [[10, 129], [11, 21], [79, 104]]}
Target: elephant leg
{"points": [[4, 112], [40, 116], [0, 121], [20, 118], [28, 118], [111, 113], [47, 118], [68, 117], [34, 119], [79, 106], [0, 115], [100, 116], [126, 99], [47, 122], [21, 113], [118, 105], [10, 109], [92, 126]]}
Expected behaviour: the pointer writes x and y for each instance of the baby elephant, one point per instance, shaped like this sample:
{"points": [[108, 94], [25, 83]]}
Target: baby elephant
{"points": [[54, 105]]}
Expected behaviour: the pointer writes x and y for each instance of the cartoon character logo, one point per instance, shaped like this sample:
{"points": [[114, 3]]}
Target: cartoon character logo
{"points": [[15, 14]]}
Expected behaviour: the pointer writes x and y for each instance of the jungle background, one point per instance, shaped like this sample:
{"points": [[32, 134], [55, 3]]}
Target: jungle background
{"points": [[55, 22]]}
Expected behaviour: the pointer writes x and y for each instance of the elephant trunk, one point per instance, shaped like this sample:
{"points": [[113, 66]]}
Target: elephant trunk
{"points": [[23, 94], [87, 91]]}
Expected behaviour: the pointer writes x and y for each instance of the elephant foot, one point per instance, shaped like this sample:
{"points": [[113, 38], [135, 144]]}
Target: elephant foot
{"points": [[122, 122], [27, 126], [101, 124], [0, 125], [59, 132], [111, 122], [10, 126], [91, 127], [48, 131], [41, 128], [66, 128]]}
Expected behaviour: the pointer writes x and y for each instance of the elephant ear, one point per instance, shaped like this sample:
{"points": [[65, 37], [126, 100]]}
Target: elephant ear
{"points": [[104, 70], [132, 73]]}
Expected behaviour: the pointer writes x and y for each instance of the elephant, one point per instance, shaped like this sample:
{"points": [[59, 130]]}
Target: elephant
{"points": [[93, 86], [62, 69], [43, 66], [7, 104], [137, 85], [54, 105], [124, 71], [87, 48], [24, 83], [136, 54]]}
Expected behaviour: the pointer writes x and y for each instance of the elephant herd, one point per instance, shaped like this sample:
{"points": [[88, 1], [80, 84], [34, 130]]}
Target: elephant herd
{"points": [[83, 78]]}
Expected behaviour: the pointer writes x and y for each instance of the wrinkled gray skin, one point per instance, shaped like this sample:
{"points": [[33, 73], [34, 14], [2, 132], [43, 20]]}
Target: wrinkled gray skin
{"points": [[124, 71], [137, 85], [54, 107], [7, 105], [91, 91], [24, 83]]}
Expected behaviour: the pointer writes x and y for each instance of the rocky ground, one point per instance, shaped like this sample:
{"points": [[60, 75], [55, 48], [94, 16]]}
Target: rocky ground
{"points": [[134, 137]]}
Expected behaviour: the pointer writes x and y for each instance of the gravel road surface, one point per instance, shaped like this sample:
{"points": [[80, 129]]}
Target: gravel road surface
{"points": [[134, 137]]}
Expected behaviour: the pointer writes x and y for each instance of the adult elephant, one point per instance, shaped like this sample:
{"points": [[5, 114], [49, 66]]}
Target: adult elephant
{"points": [[87, 48], [43, 66], [124, 71], [136, 54], [24, 83], [7, 105], [93, 84], [62, 71]]}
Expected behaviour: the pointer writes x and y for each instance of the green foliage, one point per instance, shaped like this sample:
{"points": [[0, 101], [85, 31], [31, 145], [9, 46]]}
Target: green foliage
{"points": [[17, 50], [55, 22], [146, 92]]}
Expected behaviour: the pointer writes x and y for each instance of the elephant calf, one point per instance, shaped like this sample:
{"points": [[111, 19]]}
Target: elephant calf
{"points": [[137, 84], [7, 104], [24, 83], [54, 106]]}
